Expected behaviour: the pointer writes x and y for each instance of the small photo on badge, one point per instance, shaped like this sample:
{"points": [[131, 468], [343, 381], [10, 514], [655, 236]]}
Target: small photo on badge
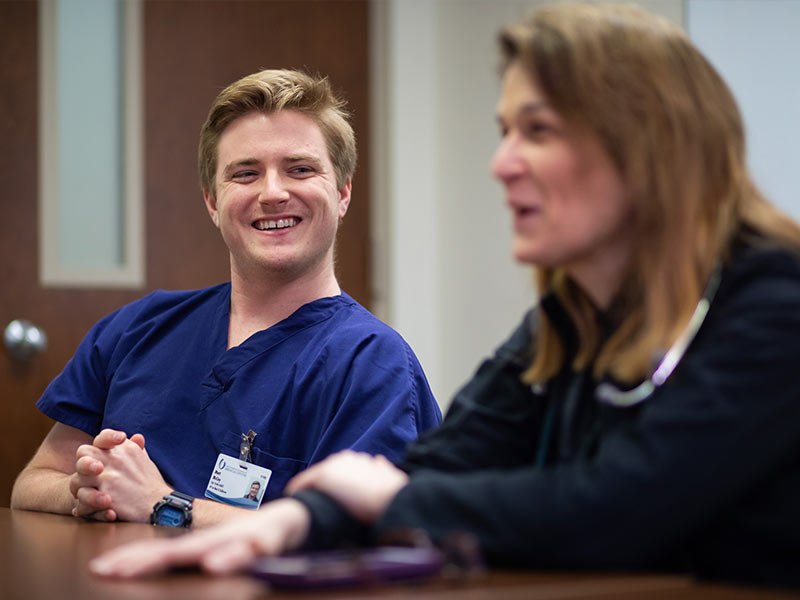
{"points": [[254, 495], [237, 482]]}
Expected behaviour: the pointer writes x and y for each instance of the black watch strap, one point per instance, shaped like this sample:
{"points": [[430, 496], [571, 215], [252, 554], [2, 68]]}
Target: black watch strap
{"points": [[182, 496]]}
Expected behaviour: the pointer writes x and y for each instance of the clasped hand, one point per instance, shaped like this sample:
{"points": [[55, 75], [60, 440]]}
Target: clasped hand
{"points": [[363, 484], [115, 479]]}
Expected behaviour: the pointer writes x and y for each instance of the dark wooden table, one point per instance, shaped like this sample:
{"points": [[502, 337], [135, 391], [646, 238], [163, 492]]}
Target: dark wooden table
{"points": [[44, 557]]}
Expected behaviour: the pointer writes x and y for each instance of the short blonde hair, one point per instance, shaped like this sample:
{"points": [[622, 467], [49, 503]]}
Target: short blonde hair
{"points": [[673, 130], [272, 90]]}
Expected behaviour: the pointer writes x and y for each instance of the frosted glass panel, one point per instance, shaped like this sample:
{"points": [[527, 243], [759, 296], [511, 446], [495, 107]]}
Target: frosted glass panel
{"points": [[91, 126], [89, 131]]}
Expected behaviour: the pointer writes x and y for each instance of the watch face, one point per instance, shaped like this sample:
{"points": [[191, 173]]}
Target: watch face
{"points": [[170, 516]]}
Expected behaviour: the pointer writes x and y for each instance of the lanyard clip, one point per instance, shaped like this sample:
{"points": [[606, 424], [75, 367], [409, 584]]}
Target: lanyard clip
{"points": [[246, 445]]}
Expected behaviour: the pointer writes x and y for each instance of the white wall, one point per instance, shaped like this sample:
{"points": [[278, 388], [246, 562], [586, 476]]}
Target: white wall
{"points": [[755, 46], [443, 272]]}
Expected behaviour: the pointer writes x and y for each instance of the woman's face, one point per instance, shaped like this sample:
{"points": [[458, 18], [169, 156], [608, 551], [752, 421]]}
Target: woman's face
{"points": [[568, 203]]}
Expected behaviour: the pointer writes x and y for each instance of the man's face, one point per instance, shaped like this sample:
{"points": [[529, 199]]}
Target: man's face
{"points": [[254, 489], [277, 204]]}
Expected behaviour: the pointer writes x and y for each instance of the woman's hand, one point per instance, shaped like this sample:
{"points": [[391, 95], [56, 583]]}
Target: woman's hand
{"points": [[279, 526], [363, 484]]}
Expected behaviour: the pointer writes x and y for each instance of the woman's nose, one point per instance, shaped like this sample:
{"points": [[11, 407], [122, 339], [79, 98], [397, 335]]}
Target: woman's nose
{"points": [[506, 162]]}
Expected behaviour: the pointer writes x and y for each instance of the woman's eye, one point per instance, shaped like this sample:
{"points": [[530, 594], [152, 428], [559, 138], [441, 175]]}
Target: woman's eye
{"points": [[536, 129]]}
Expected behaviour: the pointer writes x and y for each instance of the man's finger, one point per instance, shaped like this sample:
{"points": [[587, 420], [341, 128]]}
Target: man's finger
{"points": [[88, 466], [109, 438], [107, 515], [88, 450], [90, 500], [77, 482]]}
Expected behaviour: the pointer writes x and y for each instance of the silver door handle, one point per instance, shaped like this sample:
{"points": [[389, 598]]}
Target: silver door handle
{"points": [[24, 339]]}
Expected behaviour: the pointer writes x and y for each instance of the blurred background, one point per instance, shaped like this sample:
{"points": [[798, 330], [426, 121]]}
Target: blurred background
{"points": [[101, 102]]}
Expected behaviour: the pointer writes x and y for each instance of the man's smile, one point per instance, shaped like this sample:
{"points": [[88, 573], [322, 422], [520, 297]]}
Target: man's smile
{"points": [[266, 225]]}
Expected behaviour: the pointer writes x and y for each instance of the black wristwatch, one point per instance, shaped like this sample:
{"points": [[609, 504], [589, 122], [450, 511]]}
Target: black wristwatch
{"points": [[175, 510]]}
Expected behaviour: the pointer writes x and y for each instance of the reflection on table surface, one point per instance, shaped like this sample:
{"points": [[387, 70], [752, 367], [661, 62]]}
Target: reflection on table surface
{"points": [[45, 557]]}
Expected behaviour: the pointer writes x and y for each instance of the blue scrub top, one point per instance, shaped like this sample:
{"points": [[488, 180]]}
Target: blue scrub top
{"points": [[330, 376]]}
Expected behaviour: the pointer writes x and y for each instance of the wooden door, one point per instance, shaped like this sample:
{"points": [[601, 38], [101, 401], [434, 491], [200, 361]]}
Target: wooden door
{"points": [[192, 49]]}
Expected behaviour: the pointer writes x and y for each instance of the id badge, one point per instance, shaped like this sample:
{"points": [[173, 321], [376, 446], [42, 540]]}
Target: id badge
{"points": [[237, 482]]}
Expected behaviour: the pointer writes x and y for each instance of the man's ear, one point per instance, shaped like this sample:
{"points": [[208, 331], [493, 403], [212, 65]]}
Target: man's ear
{"points": [[344, 197], [211, 206]]}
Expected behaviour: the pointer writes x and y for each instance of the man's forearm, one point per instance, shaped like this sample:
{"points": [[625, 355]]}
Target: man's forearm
{"points": [[206, 513], [42, 489]]}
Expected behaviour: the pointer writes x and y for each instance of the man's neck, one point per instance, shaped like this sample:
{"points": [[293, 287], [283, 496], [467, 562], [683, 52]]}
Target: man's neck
{"points": [[260, 303]]}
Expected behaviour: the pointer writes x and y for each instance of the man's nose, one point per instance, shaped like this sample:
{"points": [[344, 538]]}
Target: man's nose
{"points": [[274, 189]]}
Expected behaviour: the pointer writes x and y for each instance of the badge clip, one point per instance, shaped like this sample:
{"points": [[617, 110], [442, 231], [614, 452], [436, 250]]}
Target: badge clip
{"points": [[246, 445]]}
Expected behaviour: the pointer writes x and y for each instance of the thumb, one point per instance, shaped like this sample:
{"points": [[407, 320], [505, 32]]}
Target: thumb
{"points": [[138, 439]]}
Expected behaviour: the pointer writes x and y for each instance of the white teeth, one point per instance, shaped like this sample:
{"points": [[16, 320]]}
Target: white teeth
{"points": [[279, 224]]}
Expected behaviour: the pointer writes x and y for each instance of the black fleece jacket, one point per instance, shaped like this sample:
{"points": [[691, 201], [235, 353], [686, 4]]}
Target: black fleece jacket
{"points": [[702, 477]]}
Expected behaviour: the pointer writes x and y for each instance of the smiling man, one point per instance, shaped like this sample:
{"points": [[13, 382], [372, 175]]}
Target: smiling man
{"points": [[174, 404]]}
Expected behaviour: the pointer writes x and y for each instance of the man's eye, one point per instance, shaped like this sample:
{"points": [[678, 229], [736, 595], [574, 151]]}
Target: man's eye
{"points": [[240, 175], [303, 170]]}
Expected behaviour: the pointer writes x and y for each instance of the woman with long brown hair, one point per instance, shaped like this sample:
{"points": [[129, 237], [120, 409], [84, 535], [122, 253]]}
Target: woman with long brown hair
{"points": [[646, 413]]}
